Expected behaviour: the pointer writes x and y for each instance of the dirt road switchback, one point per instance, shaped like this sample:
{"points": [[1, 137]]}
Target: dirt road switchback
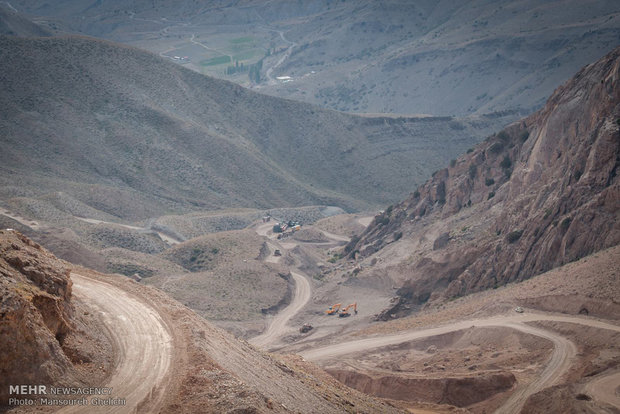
{"points": [[277, 328], [142, 345], [559, 363]]}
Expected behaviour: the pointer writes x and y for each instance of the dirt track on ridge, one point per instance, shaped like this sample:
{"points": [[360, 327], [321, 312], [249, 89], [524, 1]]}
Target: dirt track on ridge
{"points": [[141, 340]]}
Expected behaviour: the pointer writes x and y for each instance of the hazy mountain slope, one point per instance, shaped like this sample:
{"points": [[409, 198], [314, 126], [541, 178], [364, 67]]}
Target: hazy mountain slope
{"points": [[14, 24], [542, 193], [437, 57], [446, 57], [132, 135]]}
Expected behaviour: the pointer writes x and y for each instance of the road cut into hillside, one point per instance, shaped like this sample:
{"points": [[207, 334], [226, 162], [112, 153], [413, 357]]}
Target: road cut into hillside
{"points": [[142, 345], [277, 327], [558, 364]]}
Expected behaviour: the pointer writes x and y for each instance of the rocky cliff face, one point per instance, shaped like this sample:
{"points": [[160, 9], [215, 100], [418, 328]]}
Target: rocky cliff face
{"points": [[539, 194], [35, 314]]}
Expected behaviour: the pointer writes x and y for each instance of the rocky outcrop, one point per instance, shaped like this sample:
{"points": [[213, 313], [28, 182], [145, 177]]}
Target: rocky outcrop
{"points": [[35, 314], [541, 193]]}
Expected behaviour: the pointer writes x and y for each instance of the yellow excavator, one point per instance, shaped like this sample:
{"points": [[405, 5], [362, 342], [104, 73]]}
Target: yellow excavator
{"points": [[345, 311], [333, 309]]}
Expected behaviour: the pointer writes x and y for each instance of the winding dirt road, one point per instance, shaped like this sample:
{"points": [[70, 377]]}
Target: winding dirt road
{"points": [[141, 341], [277, 328], [559, 362], [564, 351]]}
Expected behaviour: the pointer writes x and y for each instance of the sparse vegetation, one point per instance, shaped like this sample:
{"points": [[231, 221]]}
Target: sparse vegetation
{"points": [[441, 192], [496, 147], [506, 163], [489, 181], [473, 171], [565, 224], [491, 195], [335, 257], [503, 135], [513, 236], [524, 135]]}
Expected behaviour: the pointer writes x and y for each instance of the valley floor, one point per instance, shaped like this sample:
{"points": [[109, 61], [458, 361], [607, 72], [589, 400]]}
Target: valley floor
{"points": [[474, 354]]}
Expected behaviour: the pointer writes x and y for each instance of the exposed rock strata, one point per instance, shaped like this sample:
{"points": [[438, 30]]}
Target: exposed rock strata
{"points": [[35, 314], [537, 195]]}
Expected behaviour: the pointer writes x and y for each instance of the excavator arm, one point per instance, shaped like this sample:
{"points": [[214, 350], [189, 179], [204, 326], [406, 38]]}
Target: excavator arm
{"points": [[333, 309], [345, 311]]}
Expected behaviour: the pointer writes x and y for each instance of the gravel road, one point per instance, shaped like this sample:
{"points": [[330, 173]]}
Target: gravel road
{"points": [[141, 340], [277, 327]]}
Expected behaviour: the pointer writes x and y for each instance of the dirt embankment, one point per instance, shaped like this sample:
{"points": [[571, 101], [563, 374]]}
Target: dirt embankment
{"points": [[460, 392], [46, 335]]}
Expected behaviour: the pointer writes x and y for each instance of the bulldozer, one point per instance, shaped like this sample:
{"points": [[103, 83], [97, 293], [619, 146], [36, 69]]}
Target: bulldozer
{"points": [[333, 309], [345, 311]]}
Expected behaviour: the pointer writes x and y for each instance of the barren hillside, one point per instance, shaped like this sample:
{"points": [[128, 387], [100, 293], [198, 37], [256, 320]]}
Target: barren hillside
{"points": [[539, 194], [95, 128], [436, 57]]}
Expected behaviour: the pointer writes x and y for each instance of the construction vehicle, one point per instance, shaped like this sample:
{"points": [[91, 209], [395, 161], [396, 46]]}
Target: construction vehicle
{"points": [[345, 311], [306, 327], [333, 309]]}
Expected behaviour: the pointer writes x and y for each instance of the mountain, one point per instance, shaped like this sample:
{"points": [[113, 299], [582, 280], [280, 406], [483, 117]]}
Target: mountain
{"points": [[15, 24], [88, 125], [435, 57], [541, 193]]}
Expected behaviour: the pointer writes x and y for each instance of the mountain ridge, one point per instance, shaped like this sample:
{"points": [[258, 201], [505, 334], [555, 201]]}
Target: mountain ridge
{"points": [[444, 58], [539, 194], [81, 112]]}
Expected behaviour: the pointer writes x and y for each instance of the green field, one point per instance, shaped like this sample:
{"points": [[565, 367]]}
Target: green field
{"points": [[246, 55], [219, 60]]}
